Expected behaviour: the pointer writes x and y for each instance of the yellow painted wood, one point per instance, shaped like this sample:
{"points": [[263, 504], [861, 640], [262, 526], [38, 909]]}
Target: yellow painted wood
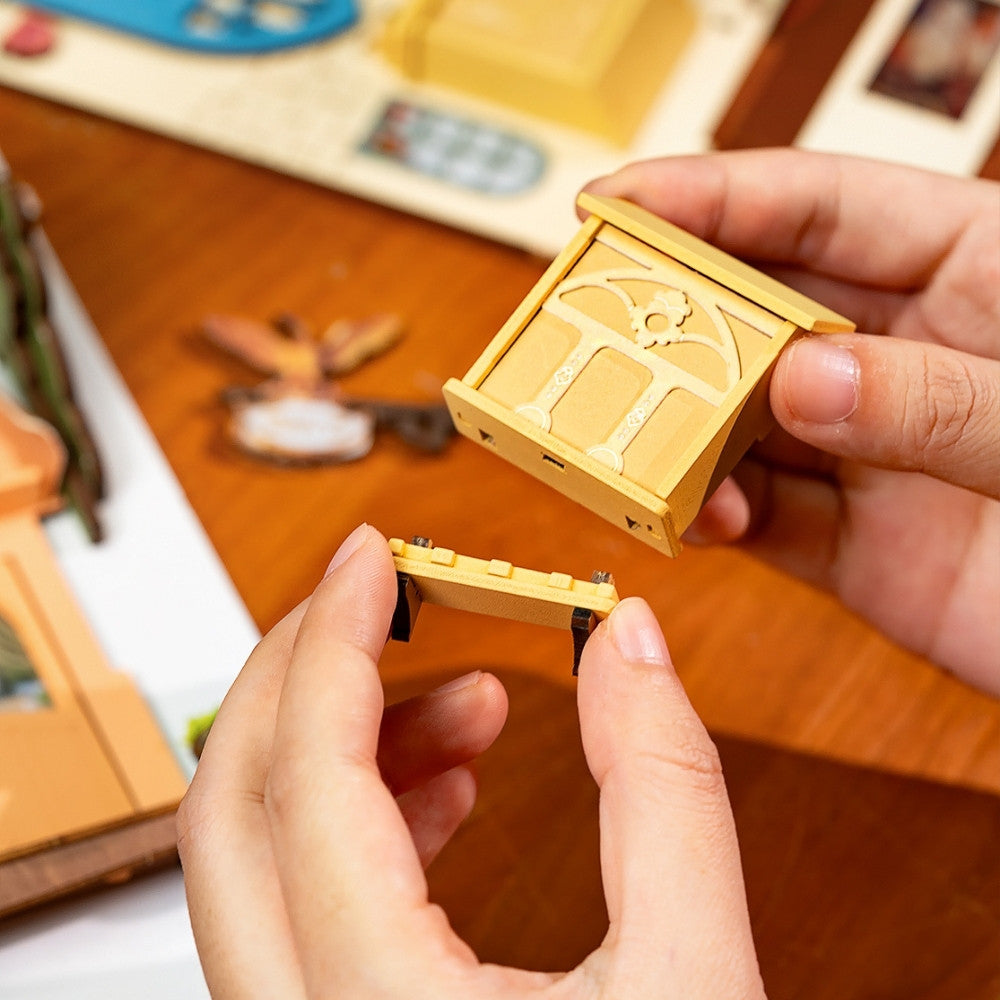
{"points": [[595, 65], [93, 756], [496, 587], [635, 374]]}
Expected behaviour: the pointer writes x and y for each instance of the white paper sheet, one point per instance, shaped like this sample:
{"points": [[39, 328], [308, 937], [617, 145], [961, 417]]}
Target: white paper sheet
{"points": [[166, 612]]}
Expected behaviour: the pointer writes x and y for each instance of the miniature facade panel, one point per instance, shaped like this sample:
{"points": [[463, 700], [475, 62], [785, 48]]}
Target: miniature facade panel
{"points": [[87, 754], [634, 376], [596, 65], [49, 748], [495, 587]]}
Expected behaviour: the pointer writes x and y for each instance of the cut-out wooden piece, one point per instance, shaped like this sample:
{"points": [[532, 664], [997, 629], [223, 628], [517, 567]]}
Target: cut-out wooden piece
{"points": [[635, 374], [85, 754], [496, 587]]}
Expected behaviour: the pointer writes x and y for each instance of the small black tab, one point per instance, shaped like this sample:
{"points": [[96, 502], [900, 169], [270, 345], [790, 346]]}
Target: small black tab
{"points": [[404, 615], [583, 622]]}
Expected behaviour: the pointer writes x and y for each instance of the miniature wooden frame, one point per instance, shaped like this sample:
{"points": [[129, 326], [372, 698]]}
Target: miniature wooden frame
{"points": [[495, 587], [635, 374], [86, 757]]}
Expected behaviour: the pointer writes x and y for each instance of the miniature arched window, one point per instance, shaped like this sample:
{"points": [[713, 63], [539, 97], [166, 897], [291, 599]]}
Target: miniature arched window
{"points": [[20, 687]]}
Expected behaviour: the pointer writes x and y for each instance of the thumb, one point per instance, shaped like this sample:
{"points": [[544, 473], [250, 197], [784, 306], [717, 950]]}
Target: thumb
{"points": [[669, 856], [898, 404]]}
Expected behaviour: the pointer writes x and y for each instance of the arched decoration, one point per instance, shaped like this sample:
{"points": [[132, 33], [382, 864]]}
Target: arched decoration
{"points": [[656, 319]]}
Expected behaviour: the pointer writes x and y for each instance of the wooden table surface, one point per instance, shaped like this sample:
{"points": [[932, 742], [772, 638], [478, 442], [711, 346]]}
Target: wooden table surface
{"points": [[156, 234]]}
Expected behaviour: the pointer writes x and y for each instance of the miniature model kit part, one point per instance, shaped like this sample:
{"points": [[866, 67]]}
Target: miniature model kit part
{"points": [[495, 587], [635, 374], [597, 66], [92, 756], [289, 349], [299, 417]]}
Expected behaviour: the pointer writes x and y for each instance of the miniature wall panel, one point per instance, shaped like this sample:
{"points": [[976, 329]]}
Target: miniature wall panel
{"points": [[80, 751], [58, 777], [630, 356]]}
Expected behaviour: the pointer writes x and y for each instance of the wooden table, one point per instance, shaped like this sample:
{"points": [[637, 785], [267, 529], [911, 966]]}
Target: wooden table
{"points": [[860, 883]]}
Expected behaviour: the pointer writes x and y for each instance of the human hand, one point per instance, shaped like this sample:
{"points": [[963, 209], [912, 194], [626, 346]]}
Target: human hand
{"points": [[313, 809], [883, 487]]}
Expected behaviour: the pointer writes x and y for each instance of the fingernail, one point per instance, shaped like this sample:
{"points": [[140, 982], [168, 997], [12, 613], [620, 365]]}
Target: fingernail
{"points": [[822, 381], [466, 680], [636, 633], [348, 547]]}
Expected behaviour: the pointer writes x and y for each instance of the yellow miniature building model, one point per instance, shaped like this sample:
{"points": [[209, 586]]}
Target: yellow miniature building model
{"points": [[635, 374], [81, 752], [495, 587], [595, 65]]}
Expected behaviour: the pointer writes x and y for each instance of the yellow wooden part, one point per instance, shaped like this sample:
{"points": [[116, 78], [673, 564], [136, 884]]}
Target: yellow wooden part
{"points": [[521, 316], [715, 264], [495, 587], [595, 65], [120, 717], [638, 511], [55, 777], [635, 374], [93, 756]]}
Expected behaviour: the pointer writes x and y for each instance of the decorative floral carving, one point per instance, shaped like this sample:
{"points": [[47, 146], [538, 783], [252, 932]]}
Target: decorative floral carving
{"points": [[670, 304]]}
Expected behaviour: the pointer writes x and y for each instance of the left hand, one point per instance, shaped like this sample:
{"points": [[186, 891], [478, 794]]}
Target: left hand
{"points": [[314, 808]]}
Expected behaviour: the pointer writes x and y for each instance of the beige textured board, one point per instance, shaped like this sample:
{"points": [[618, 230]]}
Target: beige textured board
{"points": [[495, 587], [308, 111], [635, 374]]}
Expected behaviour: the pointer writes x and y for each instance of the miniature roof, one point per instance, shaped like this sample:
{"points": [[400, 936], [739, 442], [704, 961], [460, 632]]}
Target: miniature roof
{"points": [[717, 265]]}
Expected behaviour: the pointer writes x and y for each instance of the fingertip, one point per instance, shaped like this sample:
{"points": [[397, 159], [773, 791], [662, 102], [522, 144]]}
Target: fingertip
{"points": [[362, 536], [480, 700], [354, 601], [636, 634], [495, 696], [605, 186], [724, 518], [629, 639], [893, 403]]}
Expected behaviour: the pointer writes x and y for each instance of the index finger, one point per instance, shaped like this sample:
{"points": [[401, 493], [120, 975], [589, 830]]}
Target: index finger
{"points": [[352, 882], [850, 218]]}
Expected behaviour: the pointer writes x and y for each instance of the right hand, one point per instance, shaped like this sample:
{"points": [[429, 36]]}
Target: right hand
{"points": [[883, 483]]}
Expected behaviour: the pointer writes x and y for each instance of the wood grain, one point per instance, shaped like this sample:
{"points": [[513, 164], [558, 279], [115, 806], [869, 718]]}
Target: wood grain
{"points": [[107, 858], [845, 865]]}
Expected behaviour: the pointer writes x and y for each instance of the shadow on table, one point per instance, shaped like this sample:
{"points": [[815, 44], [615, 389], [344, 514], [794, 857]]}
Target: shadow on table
{"points": [[860, 884]]}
